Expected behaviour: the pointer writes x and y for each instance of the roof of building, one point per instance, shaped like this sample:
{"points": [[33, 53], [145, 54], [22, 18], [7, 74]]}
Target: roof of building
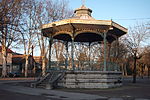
{"points": [[83, 28], [8, 50], [38, 59], [18, 59], [83, 13]]}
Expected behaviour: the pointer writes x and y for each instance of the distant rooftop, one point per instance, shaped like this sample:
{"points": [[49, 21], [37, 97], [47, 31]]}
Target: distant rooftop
{"points": [[8, 50]]}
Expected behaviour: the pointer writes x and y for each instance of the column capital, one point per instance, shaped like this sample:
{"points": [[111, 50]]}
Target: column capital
{"points": [[72, 38]]}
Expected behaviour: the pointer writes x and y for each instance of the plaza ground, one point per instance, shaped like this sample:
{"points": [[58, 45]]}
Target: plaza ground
{"points": [[128, 91], [14, 90]]}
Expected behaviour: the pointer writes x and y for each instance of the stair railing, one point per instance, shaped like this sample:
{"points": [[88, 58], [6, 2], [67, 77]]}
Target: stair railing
{"points": [[55, 77], [39, 80]]}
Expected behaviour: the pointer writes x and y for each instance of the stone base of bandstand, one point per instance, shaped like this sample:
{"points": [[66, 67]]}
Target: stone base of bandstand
{"points": [[91, 79]]}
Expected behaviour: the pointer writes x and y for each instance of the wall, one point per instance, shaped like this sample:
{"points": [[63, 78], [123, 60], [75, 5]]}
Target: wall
{"points": [[91, 79], [9, 62]]}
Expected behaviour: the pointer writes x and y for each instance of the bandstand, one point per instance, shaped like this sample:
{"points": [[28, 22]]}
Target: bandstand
{"points": [[82, 27]]}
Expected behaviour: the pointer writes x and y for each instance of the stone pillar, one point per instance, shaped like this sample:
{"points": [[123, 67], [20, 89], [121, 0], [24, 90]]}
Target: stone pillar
{"points": [[72, 53], [105, 51]]}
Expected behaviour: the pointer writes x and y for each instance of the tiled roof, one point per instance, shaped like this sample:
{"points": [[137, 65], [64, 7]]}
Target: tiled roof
{"points": [[8, 50]]}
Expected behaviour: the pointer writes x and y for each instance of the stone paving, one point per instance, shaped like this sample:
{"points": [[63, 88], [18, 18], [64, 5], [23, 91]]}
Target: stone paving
{"points": [[61, 95], [51, 93]]}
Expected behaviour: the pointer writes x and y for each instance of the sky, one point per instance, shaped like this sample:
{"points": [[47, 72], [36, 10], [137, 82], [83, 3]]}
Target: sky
{"points": [[125, 12]]}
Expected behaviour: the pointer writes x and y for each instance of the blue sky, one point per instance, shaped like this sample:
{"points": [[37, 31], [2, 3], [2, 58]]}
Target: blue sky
{"points": [[128, 10], [124, 12]]}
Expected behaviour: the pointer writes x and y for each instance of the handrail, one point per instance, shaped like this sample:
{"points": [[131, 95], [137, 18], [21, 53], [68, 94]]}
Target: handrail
{"points": [[59, 76], [44, 78], [39, 77], [39, 80], [55, 76]]}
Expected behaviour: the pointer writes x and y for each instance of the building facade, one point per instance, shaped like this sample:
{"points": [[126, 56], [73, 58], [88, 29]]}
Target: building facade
{"points": [[9, 60]]}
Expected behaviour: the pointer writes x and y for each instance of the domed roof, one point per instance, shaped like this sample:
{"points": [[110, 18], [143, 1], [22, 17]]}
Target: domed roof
{"points": [[83, 13]]}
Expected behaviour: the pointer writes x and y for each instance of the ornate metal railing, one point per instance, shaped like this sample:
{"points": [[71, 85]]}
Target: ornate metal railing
{"points": [[86, 65], [39, 80], [50, 79]]}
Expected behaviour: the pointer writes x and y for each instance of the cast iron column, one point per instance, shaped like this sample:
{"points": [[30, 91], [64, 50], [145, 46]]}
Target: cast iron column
{"points": [[66, 60], [90, 56], [105, 52], [50, 48], [72, 53]]}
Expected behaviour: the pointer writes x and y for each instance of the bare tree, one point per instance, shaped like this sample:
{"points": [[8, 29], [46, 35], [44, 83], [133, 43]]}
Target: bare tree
{"points": [[119, 54], [145, 59], [49, 11], [81, 53], [28, 29], [134, 40], [58, 49], [10, 12]]}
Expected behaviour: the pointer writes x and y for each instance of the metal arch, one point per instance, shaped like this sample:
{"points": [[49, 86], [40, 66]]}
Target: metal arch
{"points": [[85, 43], [62, 32], [56, 31], [87, 31]]}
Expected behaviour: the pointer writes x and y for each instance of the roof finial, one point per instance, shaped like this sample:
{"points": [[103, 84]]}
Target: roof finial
{"points": [[83, 2]]}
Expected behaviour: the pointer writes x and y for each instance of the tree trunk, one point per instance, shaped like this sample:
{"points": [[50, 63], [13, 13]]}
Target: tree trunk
{"points": [[26, 65], [43, 66], [134, 69], [4, 64], [148, 71], [22, 68], [125, 70], [142, 72]]}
